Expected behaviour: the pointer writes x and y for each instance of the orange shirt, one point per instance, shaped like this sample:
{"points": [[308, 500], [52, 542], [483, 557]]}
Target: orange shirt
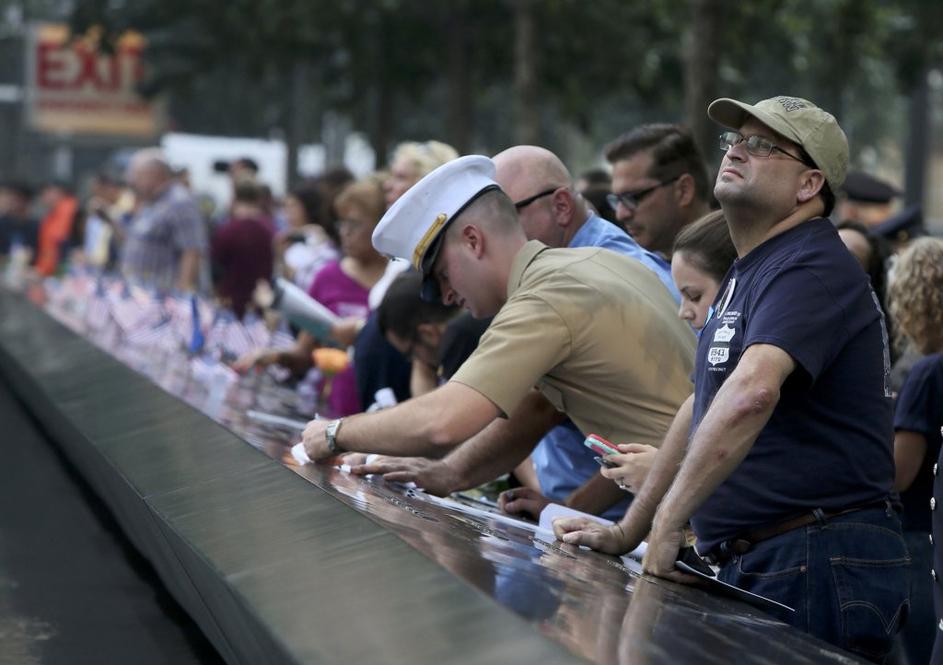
{"points": [[54, 230]]}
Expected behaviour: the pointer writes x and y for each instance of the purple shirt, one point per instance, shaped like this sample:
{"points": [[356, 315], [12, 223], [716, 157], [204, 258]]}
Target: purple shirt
{"points": [[241, 254], [346, 298]]}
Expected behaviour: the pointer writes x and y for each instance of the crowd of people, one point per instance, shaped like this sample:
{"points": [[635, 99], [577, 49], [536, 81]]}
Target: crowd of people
{"points": [[765, 351]]}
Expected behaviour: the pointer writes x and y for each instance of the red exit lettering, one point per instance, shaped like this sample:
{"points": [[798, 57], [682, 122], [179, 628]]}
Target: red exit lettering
{"points": [[60, 67]]}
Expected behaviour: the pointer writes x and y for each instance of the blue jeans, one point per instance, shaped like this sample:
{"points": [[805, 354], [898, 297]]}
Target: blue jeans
{"points": [[848, 579]]}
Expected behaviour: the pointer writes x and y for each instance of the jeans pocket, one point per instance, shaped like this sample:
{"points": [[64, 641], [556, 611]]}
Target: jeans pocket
{"points": [[776, 569], [873, 597], [773, 560]]}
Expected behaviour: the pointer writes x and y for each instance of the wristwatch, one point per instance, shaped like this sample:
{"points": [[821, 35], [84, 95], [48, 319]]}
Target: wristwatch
{"points": [[330, 434]]}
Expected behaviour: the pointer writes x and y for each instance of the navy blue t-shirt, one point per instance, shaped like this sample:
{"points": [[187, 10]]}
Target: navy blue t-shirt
{"points": [[828, 443], [920, 409]]}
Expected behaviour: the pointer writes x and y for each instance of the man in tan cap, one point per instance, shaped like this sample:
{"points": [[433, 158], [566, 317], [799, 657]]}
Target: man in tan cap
{"points": [[782, 458], [563, 319]]}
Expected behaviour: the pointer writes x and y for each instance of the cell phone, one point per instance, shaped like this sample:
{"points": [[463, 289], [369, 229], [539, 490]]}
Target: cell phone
{"points": [[600, 446], [603, 462]]}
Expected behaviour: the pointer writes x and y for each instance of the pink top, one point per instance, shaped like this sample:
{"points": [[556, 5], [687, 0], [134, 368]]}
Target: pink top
{"points": [[342, 295]]}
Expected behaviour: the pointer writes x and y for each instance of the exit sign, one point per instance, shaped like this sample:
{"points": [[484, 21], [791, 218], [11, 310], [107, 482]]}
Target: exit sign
{"points": [[72, 87]]}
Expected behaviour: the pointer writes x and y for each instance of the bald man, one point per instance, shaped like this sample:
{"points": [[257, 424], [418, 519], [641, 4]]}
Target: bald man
{"points": [[166, 237], [549, 210], [552, 212]]}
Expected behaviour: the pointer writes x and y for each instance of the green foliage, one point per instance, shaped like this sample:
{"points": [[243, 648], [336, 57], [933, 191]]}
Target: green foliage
{"points": [[399, 67]]}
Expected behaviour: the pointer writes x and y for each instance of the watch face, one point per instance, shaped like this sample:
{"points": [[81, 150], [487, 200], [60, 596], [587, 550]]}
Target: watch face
{"points": [[330, 433]]}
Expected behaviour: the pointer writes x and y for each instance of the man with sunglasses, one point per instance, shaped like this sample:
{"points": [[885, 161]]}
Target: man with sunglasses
{"points": [[659, 184], [550, 211], [782, 458]]}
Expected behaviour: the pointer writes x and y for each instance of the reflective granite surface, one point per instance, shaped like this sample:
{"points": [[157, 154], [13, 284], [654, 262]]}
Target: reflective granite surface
{"points": [[313, 563]]}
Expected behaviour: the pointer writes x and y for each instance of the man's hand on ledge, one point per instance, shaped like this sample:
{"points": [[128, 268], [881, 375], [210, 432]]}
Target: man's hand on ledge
{"points": [[433, 476]]}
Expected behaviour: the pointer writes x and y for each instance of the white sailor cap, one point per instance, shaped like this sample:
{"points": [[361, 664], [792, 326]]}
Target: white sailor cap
{"points": [[415, 224]]}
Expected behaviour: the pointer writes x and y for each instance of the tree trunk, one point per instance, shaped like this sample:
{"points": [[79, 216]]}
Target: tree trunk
{"points": [[918, 140], [527, 117], [458, 126], [383, 108], [701, 52], [383, 120], [296, 115]]}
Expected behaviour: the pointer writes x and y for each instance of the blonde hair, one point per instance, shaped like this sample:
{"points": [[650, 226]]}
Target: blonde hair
{"points": [[425, 157], [916, 295], [366, 195]]}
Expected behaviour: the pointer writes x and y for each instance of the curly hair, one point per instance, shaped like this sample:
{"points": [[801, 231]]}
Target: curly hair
{"points": [[916, 295]]}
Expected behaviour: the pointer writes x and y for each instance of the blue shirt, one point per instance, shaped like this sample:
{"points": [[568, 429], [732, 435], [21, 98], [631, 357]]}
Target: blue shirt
{"points": [[562, 462], [379, 364], [920, 409], [597, 232], [828, 443]]}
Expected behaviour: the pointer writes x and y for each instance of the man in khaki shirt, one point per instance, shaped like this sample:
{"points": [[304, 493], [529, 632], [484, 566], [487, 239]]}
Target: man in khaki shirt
{"points": [[598, 336], [594, 331]]}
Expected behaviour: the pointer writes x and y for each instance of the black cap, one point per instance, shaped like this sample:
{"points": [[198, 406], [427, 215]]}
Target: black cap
{"points": [[430, 291], [903, 226], [860, 186]]}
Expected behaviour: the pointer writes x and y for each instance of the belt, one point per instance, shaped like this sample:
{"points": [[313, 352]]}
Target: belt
{"points": [[742, 543]]}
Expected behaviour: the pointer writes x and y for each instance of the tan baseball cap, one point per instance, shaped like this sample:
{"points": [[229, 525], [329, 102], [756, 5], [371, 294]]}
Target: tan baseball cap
{"points": [[798, 120]]}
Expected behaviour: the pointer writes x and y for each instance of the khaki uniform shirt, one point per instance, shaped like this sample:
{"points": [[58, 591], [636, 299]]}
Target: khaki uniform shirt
{"points": [[599, 336]]}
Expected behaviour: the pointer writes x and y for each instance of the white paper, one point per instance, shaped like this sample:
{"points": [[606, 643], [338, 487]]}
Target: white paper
{"points": [[298, 452], [304, 311]]}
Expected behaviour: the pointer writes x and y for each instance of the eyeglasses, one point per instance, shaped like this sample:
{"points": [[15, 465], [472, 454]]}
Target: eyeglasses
{"points": [[756, 146], [631, 200], [530, 199]]}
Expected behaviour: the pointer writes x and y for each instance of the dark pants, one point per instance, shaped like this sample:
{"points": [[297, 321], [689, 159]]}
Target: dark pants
{"points": [[848, 579], [918, 635]]}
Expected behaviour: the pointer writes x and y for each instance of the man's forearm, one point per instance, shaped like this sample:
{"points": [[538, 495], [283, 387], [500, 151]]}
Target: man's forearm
{"points": [[739, 411], [422, 378], [503, 444], [595, 495], [638, 520], [721, 442], [424, 426]]}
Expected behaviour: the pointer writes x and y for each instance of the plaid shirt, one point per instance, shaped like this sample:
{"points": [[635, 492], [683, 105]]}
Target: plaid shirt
{"points": [[157, 235]]}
